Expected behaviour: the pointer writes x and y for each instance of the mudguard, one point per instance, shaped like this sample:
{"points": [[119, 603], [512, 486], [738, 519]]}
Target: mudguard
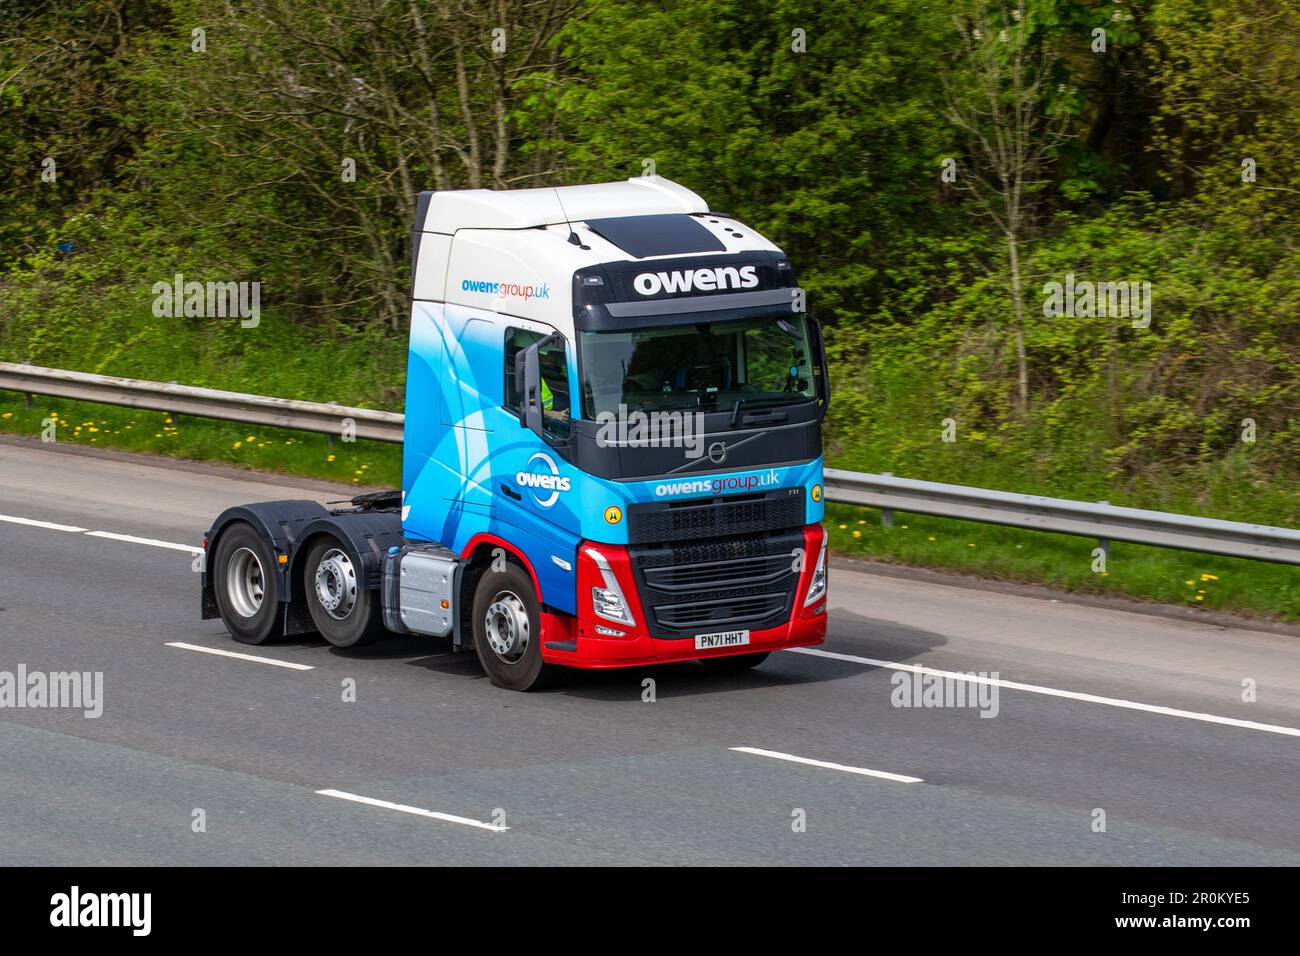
{"points": [[279, 522]]}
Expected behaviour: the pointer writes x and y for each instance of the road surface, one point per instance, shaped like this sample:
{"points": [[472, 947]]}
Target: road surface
{"points": [[1113, 738]]}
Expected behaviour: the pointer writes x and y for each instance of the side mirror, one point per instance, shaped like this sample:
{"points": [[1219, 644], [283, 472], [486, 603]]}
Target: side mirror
{"points": [[528, 382], [824, 381]]}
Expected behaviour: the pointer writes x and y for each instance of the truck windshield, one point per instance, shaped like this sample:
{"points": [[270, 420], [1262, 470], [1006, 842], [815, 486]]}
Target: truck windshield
{"points": [[763, 361]]}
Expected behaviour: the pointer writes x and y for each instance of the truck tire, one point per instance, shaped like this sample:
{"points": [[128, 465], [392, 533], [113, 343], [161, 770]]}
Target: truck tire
{"points": [[508, 629], [734, 662], [246, 585], [345, 612]]}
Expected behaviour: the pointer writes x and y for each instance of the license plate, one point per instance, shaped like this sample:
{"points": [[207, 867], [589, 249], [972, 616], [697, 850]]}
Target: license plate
{"points": [[707, 642]]}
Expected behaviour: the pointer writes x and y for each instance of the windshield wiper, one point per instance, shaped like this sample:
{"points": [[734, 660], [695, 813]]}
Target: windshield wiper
{"points": [[735, 412], [792, 399]]}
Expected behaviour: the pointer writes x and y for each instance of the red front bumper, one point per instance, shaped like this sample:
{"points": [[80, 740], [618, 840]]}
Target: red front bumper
{"points": [[576, 642], [593, 651]]}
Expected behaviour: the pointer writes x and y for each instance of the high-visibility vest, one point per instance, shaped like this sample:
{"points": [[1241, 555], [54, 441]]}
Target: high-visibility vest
{"points": [[548, 398]]}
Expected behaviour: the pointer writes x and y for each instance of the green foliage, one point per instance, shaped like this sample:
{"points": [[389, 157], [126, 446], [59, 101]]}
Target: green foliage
{"points": [[820, 124]]}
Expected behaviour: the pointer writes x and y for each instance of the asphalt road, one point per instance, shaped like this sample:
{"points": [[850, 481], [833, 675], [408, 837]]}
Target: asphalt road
{"points": [[1097, 709]]}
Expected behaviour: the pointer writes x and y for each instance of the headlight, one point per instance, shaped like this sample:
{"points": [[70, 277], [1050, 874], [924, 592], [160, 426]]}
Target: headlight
{"points": [[608, 602], [817, 586]]}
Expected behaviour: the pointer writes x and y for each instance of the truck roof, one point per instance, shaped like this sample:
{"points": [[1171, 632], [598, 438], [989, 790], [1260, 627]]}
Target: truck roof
{"points": [[446, 212], [634, 249]]}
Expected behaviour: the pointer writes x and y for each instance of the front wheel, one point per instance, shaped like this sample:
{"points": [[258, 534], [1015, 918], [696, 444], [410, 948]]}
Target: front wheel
{"points": [[508, 630]]}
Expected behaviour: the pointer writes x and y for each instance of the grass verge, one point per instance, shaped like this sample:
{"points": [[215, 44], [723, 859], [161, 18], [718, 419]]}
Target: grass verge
{"points": [[254, 447], [1188, 578]]}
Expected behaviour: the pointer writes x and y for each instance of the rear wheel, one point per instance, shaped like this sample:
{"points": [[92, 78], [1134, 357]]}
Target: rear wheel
{"points": [[246, 585], [735, 662], [343, 610], [508, 630]]}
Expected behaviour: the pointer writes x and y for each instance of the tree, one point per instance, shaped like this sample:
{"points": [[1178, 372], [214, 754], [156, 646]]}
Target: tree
{"points": [[995, 96], [344, 111]]}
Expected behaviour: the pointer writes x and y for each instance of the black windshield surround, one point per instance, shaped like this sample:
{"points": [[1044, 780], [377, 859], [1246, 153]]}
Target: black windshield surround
{"points": [[597, 288]]}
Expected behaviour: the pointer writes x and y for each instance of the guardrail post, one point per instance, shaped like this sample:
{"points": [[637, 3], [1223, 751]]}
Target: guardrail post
{"points": [[1104, 543], [887, 514]]}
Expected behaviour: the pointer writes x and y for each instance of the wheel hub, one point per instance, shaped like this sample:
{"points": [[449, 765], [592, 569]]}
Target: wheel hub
{"points": [[245, 583], [506, 626], [336, 584]]}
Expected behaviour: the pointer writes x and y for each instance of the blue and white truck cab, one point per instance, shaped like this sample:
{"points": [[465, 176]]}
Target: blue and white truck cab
{"points": [[612, 450]]}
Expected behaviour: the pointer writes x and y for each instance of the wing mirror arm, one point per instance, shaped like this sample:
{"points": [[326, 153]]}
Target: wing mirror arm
{"points": [[824, 382], [528, 382]]}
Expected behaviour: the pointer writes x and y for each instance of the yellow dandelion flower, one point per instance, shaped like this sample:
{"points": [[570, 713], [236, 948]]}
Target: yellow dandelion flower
{"points": [[7, 415], [236, 444], [329, 457], [843, 527], [931, 538], [251, 438], [1200, 597], [857, 534], [903, 526], [1190, 583]]}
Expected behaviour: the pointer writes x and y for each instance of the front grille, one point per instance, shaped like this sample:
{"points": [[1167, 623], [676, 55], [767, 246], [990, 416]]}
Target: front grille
{"points": [[754, 611], [662, 521], [696, 577], [746, 581]]}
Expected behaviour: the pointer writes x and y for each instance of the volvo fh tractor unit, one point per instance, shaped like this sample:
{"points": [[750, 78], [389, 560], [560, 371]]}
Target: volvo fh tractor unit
{"points": [[612, 450]]}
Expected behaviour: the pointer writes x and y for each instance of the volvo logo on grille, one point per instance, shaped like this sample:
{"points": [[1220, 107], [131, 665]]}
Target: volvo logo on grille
{"points": [[718, 452]]}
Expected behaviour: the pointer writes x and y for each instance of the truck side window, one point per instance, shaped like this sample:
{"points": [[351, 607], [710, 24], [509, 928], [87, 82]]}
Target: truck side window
{"points": [[554, 367]]}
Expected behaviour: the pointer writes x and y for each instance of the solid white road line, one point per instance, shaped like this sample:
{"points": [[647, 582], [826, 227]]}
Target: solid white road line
{"points": [[1053, 692], [242, 657], [50, 525], [152, 542], [896, 777], [431, 814]]}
